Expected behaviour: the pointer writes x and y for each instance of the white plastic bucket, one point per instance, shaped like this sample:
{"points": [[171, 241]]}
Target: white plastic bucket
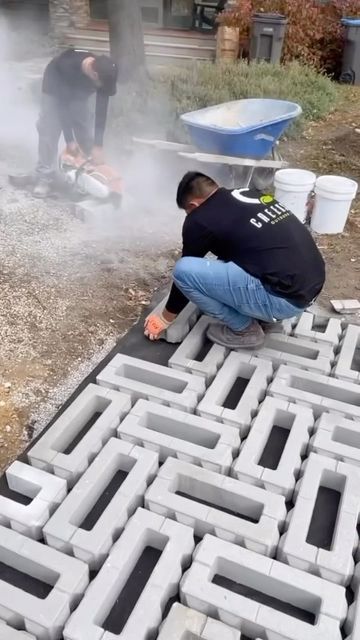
{"points": [[292, 189], [333, 198]]}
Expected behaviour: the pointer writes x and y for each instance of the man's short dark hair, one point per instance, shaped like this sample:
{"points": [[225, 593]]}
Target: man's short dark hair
{"points": [[107, 71], [194, 185]]}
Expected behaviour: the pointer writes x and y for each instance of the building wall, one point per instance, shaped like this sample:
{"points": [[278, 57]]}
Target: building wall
{"points": [[68, 13]]}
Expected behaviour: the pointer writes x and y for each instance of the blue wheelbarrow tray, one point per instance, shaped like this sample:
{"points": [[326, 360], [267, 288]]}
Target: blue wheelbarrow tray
{"points": [[241, 128]]}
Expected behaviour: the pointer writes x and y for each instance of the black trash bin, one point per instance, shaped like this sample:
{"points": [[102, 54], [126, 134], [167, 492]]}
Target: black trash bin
{"points": [[267, 37], [351, 58]]}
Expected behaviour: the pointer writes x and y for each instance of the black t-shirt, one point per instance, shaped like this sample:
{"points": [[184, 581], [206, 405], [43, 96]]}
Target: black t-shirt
{"points": [[65, 80], [259, 235]]}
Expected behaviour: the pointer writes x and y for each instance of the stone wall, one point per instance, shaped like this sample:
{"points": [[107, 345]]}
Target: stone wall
{"points": [[65, 14]]}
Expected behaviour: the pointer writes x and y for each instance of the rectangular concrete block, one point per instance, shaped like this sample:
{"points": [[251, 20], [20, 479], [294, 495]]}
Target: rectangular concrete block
{"points": [[319, 329], [256, 372], [352, 623], [297, 352], [58, 450], [321, 393], [154, 382], [183, 623], [348, 361], [184, 322], [46, 492], [65, 532], [281, 476], [336, 564], [260, 596], [144, 529], [337, 437], [185, 357], [177, 434], [211, 503], [68, 577], [7, 633]]}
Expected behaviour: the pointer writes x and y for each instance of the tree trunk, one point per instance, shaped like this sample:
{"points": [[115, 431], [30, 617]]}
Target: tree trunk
{"points": [[127, 39]]}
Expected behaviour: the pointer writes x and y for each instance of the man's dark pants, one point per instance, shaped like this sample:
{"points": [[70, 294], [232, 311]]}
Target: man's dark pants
{"points": [[50, 129]]}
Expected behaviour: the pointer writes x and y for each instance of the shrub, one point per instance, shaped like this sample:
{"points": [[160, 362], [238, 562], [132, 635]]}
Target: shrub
{"points": [[176, 91], [314, 35]]}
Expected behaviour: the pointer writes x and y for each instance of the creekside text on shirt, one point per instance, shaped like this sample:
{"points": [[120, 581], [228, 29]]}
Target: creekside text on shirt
{"points": [[271, 214]]}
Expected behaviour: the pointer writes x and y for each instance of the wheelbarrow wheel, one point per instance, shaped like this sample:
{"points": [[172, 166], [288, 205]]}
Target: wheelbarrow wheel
{"points": [[263, 178]]}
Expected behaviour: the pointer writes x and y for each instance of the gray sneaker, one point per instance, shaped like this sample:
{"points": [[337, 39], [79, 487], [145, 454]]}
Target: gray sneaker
{"points": [[251, 338], [272, 327], [43, 189]]}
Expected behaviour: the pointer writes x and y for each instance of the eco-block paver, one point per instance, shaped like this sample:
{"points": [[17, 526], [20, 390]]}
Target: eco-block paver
{"points": [[153, 382], [283, 468], [337, 437], [256, 374], [185, 357], [66, 531], [7, 633], [66, 449], [321, 393], [337, 563], [184, 322], [211, 503], [318, 329], [183, 623], [46, 492], [297, 352], [348, 361], [66, 577], [173, 433], [260, 596], [144, 530], [352, 623]]}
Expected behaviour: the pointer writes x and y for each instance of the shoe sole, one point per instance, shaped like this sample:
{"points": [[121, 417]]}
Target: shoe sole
{"points": [[255, 345]]}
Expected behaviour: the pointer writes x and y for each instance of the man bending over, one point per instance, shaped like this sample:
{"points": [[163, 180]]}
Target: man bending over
{"points": [[269, 267], [69, 81]]}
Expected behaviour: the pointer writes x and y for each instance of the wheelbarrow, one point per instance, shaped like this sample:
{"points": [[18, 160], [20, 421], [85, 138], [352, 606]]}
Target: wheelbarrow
{"points": [[241, 135]]}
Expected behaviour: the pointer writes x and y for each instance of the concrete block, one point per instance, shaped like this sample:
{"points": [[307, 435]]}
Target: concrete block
{"points": [[45, 490], [185, 321], [348, 362], [173, 433], [321, 393], [64, 530], [298, 421], [211, 503], [154, 382], [68, 577], [285, 327], [182, 623], [297, 352], [54, 451], [238, 365], [7, 633], [143, 530], [352, 623], [337, 437], [256, 592], [336, 564], [319, 329], [184, 359]]}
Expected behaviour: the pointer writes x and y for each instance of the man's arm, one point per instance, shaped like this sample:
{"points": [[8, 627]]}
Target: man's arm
{"points": [[102, 105], [196, 244]]}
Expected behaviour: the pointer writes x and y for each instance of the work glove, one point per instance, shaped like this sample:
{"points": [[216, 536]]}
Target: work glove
{"points": [[155, 325]]}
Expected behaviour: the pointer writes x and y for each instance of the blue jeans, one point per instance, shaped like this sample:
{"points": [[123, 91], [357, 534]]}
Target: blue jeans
{"points": [[224, 291]]}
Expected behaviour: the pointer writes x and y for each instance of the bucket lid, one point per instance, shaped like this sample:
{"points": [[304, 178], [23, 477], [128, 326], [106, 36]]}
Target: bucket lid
{"points": [[295, 177], [351, 22], [270, 17], [337, 185]]}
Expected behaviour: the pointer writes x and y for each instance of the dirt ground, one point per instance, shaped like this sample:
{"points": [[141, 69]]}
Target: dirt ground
{"points": [[70, 287]]}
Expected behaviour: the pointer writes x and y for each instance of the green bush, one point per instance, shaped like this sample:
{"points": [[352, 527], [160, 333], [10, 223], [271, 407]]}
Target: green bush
{"points": [[175, 91]]}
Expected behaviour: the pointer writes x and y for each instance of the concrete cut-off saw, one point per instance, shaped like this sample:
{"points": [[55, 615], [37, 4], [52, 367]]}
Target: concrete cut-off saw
{"points": [[98, 182]]}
